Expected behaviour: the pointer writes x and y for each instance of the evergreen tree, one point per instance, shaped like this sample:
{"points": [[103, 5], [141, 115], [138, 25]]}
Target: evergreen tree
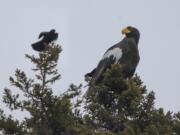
{"points": [[49, 114], [115, 106], [118, 106], [9, 126]]}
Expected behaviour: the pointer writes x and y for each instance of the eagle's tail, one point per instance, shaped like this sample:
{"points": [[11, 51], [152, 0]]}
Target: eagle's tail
{"points": [[97, 76], [93, 77]]}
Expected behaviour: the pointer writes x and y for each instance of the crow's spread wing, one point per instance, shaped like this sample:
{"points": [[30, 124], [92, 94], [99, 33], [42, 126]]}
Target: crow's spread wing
{"points": [[43, 34]]}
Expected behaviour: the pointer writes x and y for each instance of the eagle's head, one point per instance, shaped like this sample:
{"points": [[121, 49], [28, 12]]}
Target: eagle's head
{"points": [[131, 32]]}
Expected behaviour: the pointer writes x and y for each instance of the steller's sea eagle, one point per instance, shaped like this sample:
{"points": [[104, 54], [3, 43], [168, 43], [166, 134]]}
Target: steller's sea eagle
{"points": [[47, 37], [125, 53]]}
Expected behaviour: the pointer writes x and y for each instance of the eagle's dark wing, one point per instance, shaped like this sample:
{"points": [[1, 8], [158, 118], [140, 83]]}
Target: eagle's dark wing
{"points": [[101, 68], [90, 74], [111, 56], [124, 53]]}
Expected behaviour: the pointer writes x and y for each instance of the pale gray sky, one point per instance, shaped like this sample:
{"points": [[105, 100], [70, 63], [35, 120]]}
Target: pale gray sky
{"points": [[86, 29]]}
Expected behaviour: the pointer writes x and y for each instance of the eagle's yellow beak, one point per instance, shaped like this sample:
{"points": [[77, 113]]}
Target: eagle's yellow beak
{"points": [[125, 31]]}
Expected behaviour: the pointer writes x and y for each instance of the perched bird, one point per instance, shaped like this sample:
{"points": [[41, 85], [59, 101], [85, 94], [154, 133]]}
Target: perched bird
{"points": [[47, 37], [125, 53]]}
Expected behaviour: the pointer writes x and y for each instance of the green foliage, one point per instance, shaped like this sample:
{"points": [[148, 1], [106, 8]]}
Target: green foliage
{"points": [[49, 114], [10, 126], [124, 107], [115, 106]]}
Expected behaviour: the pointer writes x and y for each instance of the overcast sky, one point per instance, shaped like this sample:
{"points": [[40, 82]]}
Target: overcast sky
{"points": [[87, 28]]}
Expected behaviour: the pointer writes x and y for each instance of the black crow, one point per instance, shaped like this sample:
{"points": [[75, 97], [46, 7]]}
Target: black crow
{"points": [[47, 37]]}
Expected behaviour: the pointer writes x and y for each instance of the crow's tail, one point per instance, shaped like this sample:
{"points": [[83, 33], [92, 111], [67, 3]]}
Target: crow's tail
{"points": [[39, 46]]}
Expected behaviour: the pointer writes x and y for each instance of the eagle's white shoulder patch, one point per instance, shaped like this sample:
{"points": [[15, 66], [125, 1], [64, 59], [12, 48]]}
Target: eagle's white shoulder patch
{"points": [[115, 52]]}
